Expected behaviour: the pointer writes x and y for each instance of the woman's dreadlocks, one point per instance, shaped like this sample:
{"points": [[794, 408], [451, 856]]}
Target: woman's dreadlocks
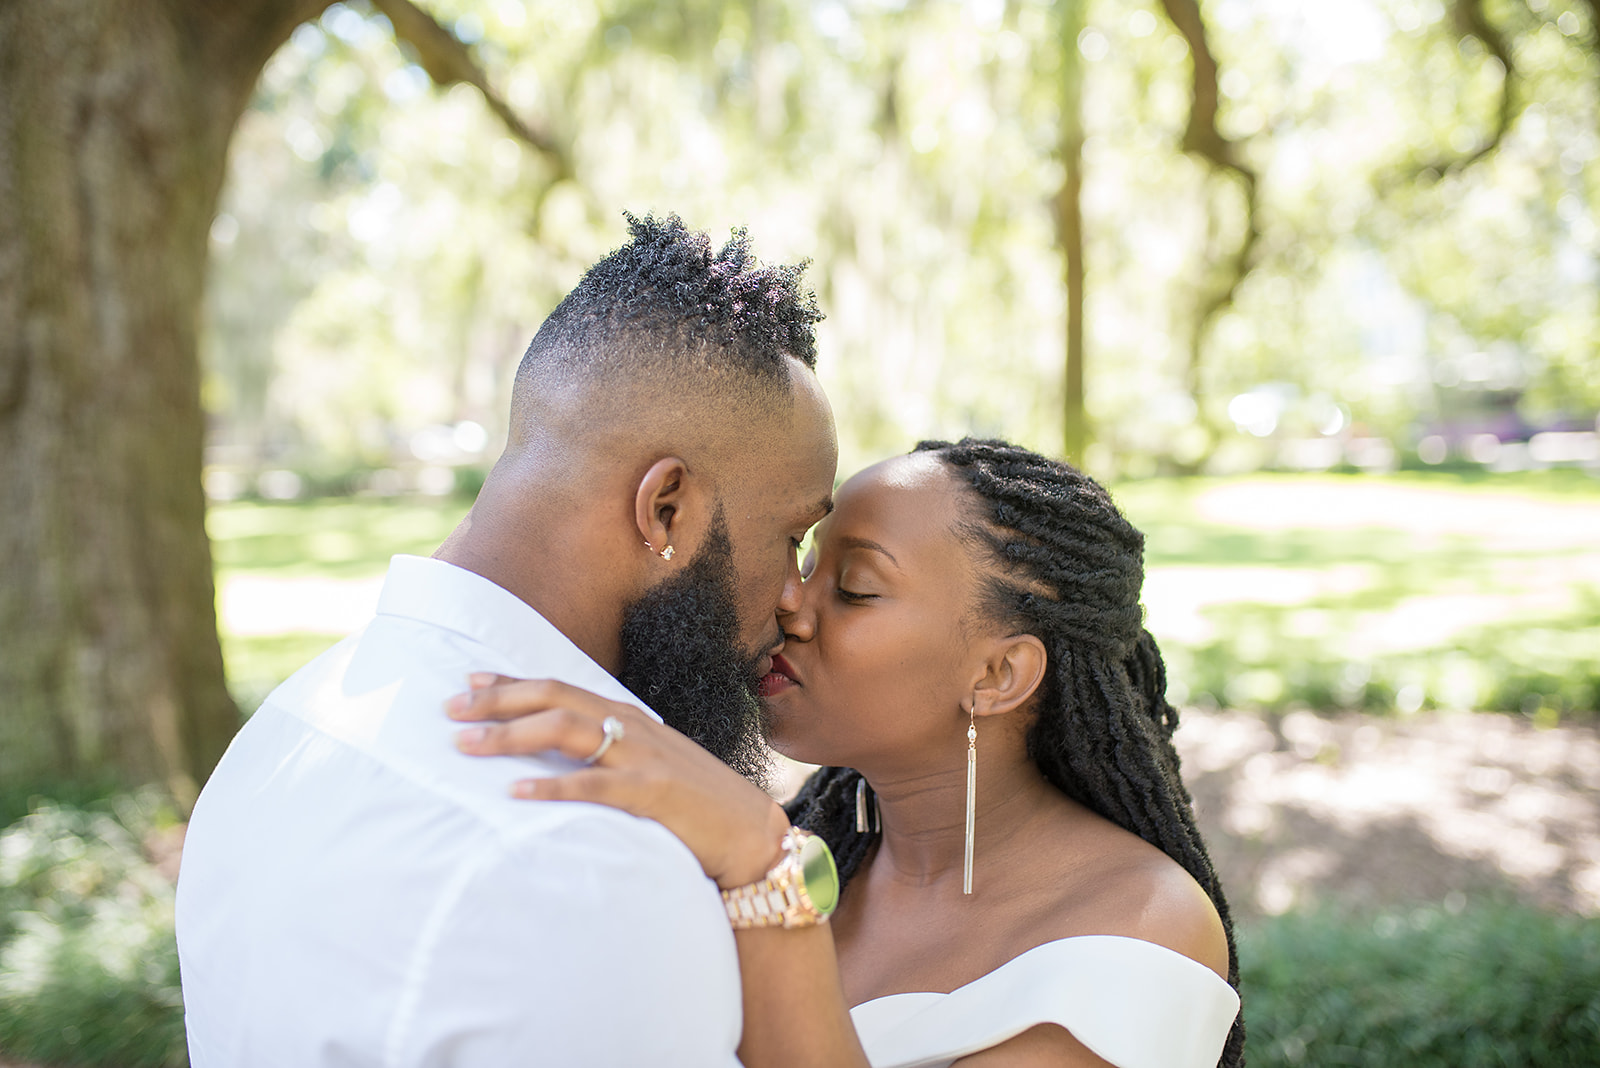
{"points": [[1066, 567]]}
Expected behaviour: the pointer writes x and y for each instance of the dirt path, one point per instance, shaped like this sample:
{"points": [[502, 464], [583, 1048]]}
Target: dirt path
{"points": [[1360, 811]]}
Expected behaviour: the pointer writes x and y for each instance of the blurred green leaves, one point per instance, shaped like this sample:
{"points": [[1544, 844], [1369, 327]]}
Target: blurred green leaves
{"points": [[386, 250], [1479, 987], [88, 967]]}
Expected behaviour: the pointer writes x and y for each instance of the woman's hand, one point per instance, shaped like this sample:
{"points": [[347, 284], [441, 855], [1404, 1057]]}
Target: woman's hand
{"points": [[794, 1008], [733, 828]]}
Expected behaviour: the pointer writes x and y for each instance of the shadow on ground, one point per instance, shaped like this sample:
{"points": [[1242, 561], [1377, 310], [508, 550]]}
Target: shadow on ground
{"points": [[1364, 812]]}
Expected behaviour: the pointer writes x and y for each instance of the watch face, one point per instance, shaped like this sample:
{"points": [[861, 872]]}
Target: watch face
{"points": [[821, 876]]}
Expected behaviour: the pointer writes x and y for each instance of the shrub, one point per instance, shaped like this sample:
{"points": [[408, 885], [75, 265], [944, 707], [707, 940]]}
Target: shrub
{"points": [[1497, 986], [88, 965]]}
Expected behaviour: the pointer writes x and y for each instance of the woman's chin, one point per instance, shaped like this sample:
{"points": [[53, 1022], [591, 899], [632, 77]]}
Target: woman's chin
{"points": [[778, 730], [793, 744]]}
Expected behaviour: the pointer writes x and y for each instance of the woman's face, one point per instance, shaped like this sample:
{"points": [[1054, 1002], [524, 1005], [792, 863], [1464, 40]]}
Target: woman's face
{"points": [[877, 660]]}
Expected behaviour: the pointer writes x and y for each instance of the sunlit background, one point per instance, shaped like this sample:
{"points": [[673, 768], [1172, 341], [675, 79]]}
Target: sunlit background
{"points": [[385, 251], [1390, 402], [1339, 353]]}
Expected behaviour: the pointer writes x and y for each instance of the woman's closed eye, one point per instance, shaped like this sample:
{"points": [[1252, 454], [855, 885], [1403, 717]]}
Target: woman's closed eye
{"points": [[852, 597]]}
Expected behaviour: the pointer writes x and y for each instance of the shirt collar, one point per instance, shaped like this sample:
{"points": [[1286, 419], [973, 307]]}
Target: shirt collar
{"points": [[441, 594]]}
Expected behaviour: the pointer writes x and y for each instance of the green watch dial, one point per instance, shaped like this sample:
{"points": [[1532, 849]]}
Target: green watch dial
{"points": [[820, 873]]}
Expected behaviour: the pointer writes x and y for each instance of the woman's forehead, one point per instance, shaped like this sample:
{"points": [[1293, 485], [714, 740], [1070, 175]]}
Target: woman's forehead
{"points": [[908, 497]]}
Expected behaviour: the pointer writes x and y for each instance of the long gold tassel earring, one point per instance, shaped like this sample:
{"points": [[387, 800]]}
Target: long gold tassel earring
{"points": [[972, 793]]}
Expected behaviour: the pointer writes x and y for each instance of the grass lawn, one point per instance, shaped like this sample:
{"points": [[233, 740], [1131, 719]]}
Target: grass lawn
{"points": [[1409, 591], [293, 578], [1266, 591]]}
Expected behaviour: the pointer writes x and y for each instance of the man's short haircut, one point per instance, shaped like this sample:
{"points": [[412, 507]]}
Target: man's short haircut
{"points": [[663, 306]]}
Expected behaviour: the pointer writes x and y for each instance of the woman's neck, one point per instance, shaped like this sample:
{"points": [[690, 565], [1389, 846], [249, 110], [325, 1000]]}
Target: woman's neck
{"points": [[923, 816]]}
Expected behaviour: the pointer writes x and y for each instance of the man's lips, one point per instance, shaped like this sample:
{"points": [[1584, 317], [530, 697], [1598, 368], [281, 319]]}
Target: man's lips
{"points": [[780, 678]]}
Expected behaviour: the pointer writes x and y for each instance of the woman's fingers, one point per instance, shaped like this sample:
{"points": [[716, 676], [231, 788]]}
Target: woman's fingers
{"points": [[588, 785], [506, 699], [647, 769], [567, 731], [477, 680]]}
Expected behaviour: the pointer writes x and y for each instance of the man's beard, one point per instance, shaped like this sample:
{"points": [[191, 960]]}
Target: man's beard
{"points": [[681, 655]]}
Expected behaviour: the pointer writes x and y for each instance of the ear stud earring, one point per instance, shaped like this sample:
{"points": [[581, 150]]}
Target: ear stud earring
{"points": [[666, 554]]}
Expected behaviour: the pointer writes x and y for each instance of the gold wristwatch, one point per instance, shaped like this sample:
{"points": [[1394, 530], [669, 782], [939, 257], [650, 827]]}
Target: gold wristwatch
{"points": [[801, 890]]}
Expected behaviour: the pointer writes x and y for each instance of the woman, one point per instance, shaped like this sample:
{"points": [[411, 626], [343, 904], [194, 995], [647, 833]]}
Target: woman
{"points": [[970, 605]]}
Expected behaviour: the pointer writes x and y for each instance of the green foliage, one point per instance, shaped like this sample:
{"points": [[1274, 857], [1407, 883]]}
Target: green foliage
{"points": [[329, 538], [385, 250], [88, 966], [73, 793], [1490, 988]]}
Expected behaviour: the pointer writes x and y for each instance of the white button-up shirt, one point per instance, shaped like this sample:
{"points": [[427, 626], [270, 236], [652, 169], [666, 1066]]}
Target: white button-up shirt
{"points": [[356, 892]]}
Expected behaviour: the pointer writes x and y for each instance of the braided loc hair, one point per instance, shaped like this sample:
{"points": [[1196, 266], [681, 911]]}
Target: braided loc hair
{"points": [[1066, 567]]}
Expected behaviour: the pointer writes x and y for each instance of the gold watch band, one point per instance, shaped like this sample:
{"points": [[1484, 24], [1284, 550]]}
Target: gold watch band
{"points": [[769, 903], [781, 898]]}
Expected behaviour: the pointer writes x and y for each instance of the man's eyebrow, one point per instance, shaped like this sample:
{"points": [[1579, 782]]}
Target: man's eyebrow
{"points": [[852, 542], [824, 506]]}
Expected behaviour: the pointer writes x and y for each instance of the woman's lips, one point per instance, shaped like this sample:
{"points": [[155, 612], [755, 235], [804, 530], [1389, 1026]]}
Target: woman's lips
{"points": [[780, 678], [772, 684]]}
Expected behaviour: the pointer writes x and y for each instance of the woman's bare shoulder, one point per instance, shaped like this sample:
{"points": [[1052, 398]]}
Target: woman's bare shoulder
{"points": [[1131, 888]]}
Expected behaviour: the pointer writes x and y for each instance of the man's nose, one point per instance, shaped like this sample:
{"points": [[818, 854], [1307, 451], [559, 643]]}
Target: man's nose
{"points": [[793, 594], [797, 620]]}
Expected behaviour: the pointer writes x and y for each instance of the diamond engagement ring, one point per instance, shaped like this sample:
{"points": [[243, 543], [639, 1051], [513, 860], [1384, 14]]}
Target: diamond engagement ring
{"points": [[613, 730]]}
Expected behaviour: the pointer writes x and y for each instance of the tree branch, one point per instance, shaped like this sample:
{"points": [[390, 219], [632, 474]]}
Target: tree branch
{"points": [[447, 62], [1203, 139], [1472, 22]]}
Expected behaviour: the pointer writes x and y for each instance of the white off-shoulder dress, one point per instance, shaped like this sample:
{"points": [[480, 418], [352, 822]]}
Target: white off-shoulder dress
{"points": [[1134, 1003]]}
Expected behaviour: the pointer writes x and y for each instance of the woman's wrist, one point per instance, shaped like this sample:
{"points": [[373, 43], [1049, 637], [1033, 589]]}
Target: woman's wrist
{"points": [[758, 854]]}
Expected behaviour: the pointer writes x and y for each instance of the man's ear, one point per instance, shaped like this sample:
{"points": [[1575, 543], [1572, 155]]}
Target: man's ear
{"points": [[1015, 668], [669, 507]]}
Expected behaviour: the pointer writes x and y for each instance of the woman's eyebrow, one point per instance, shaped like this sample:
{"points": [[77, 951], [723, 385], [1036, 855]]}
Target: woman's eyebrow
{"points": [[853, 542]]}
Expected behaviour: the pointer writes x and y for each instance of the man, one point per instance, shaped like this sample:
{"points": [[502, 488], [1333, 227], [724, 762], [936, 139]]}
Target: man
{"points": [[356, 892]]}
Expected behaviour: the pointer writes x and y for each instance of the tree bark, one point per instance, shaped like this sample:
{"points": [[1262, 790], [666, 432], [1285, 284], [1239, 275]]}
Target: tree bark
{"points": [[1069, 229], [115, 117]]}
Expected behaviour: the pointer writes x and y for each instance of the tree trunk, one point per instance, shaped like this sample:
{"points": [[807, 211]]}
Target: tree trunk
{"points": [[1069, 226], [115, 117]]}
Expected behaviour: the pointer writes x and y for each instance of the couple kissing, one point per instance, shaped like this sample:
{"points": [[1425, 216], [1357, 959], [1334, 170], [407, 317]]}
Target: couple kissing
{"points": [[517, 819]]}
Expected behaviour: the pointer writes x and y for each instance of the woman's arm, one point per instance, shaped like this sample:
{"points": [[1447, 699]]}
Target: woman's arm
{"points": [[795, 1014], [794, 1010]]}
